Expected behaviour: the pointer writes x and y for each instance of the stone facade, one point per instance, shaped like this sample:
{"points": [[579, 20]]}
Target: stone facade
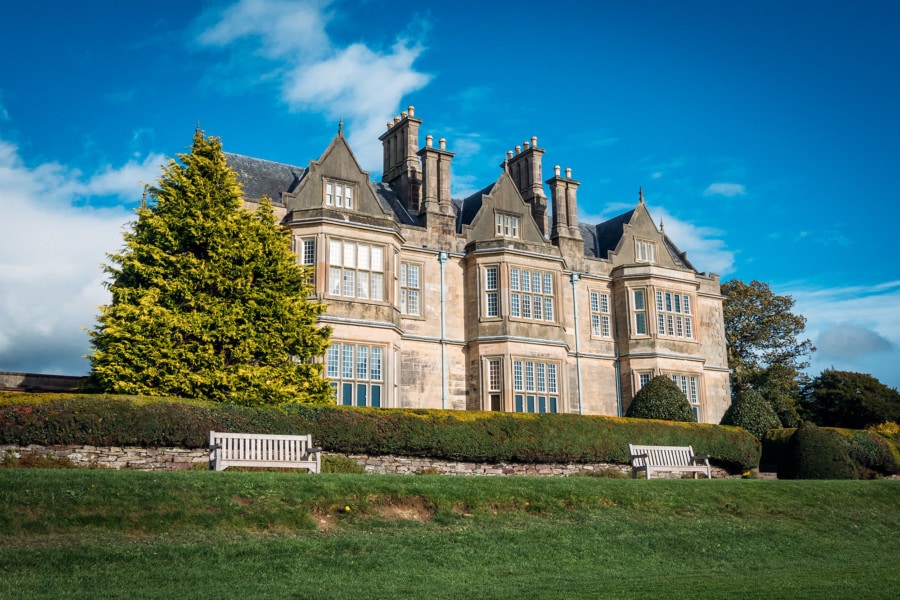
{"points": [[499, 301]]}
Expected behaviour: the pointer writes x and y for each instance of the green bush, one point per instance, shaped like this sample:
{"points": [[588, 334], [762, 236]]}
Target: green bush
{"points": [[752, 412], [815, 453], [452, 435], [871, 450], [661, 399]]}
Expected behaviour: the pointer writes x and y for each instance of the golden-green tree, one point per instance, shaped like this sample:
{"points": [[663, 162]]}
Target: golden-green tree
{"points": [[207, 298]]}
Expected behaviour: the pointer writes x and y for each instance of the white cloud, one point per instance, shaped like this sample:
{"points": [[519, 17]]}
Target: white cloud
{"points": [[857, 328], [705, 247], [728, 190], [362, 85], [50, 255]]}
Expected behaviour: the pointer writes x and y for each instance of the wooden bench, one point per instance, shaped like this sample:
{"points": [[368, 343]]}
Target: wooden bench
{"points": [[262, 450], [668, 459]]}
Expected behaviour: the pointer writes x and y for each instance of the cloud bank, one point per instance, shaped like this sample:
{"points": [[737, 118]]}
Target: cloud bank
{"points": [[729, 190], [51, 249], [362, 85]]}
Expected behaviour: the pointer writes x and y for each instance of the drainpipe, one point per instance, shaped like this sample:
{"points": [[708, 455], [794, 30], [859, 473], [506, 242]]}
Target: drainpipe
{"points": [[618, 384], [442, 259], [575, 278]]}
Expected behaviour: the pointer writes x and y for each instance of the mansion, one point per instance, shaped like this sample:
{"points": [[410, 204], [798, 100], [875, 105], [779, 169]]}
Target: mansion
{"points": [[500, 301]]}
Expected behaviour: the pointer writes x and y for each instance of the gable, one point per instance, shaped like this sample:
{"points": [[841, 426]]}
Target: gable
{"points": [[503, 200], [335, 179], [640, 241]]}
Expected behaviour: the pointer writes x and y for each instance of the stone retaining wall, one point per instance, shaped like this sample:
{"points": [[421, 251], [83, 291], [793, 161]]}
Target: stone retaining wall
{"points": [[173, 459]]}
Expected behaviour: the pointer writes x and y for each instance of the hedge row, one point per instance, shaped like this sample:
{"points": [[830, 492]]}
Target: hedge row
{"points": [[451, 435], [872, 453]]}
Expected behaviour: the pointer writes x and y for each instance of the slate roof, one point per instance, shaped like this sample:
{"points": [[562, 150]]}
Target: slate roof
{"points": [[472, 204], [609, 233], [390, 201], [264, 177]]}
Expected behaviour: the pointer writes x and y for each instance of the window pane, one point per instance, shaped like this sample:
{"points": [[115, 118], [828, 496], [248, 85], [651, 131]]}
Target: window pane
{"points": [[333, 360], [377, 287], [334, 281], [639, 299], [514, 305], [363, 256], [529, 376], [413, 299], [334, 252], [348, 197], [376, 364], [604, 303], [414, 276], [548, 309], [349, 254], [595, 302], [362, 285], [595, 324], [514, 279], [362, 362], [640, 323], [347, 362], [377, 259], [517, 375], [349, 283], [548, 284], [536, 283], [605, 328], [526, 281]]}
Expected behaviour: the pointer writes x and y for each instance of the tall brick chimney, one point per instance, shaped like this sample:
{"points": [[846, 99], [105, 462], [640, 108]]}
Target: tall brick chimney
{"points": [[563, 191], [525, 169], [401, 164]]}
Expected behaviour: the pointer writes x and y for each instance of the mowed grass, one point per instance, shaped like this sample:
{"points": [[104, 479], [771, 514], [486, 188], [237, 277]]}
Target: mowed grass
{"points": [[107, 534]]}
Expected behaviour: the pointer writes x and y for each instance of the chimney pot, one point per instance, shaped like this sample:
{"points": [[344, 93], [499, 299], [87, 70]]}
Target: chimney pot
{"points": [[412, 111], [568, 173], [403, 115], [443, 143], [556, 170], [534, 141], [429, 140], [526, 145], [396, 120], [390, 124], [509, 153], [518, 149]]}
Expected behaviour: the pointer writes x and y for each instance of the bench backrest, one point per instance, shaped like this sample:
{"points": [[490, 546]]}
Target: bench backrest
{"points": [[675, 456], [260, 446]]}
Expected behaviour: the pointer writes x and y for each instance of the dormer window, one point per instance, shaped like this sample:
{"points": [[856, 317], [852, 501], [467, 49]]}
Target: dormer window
{"points": [[644, 251], [339, 195], [507, 225]]}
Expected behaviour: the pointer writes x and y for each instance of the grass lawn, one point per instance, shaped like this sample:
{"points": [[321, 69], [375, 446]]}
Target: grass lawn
{"points": [[107, 534]]}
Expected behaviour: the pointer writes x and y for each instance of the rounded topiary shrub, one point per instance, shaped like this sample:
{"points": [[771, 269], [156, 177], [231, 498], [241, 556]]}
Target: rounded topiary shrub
{"points": [[752, 412], [661, 399], [815, 453]]}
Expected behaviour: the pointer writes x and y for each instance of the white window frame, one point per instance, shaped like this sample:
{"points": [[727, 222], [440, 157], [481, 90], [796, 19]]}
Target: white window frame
{"points": [[639, 311], [532, 295], [601, 318], [339, 194], [644, 251], [357, 373], [355, 269], [536, 386], [491, 284], [507, 225], [674, 317], [689, 385], [411, 288]]}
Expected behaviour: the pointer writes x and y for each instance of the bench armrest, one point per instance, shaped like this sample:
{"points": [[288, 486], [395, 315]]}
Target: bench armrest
{"points": [[701, 457], [639, 456], [314, 450], [215, 446]]}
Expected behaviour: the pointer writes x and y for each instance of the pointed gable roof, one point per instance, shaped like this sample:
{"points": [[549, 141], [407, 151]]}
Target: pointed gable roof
{"points": [[609, 233]]}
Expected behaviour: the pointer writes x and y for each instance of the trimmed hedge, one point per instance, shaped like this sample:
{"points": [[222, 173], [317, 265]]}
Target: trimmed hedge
{"points": [[452, 435], [873, 452]]}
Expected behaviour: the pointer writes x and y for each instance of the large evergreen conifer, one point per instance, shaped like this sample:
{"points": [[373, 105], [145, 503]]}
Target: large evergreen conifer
{"points": [[207, 298]]}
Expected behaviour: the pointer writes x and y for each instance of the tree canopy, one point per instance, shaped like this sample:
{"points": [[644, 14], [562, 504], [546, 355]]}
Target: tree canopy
{"points": [[766, 351], [661, 399], [207, 298], [847, 399]]}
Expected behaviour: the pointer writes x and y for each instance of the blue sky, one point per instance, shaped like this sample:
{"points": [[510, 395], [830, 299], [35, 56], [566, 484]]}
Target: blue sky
{"points": [[765, 135]]}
